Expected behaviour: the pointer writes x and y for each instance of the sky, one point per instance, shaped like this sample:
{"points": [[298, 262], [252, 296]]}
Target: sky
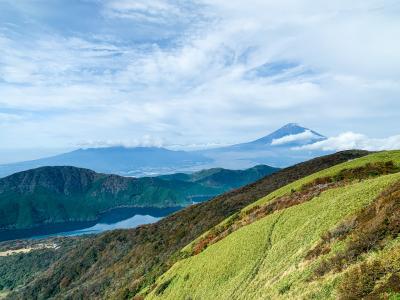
{"points": [[189, 74]]}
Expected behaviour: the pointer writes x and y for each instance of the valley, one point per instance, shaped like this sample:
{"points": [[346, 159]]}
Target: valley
{"points": [[67, 200], [158, 245], [199, 150], [214, 233]]}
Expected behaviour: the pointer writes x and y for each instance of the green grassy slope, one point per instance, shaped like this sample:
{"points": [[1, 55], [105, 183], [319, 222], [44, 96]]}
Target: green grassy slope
{"points": [[266, 259], [384, 156]]}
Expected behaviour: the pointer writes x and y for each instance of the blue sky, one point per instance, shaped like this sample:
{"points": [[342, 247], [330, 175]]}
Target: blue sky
{"points": [[194, 73]]}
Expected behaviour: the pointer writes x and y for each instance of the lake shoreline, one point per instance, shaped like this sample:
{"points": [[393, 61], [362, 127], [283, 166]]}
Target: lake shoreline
{"points": [[108, 217]]}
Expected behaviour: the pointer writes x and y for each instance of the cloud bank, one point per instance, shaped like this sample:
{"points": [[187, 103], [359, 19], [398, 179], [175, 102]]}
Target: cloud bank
{"points": [[305, 136], [145, 141], [351, 140]]}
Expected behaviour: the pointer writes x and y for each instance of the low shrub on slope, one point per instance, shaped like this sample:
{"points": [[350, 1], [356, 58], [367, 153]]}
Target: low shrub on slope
{"points": [[119, 264], [270, 258], [18, 269]]}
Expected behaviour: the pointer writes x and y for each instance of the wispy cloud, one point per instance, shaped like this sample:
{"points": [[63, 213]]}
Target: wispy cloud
{"points": [[153, 11]]}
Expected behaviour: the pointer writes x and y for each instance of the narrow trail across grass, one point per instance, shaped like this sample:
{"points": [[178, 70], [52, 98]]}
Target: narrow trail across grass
{"points": [[236, 294]]}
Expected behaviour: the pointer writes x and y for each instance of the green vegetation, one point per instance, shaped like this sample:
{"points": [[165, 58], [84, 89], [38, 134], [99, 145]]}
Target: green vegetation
{"points": [[119, 264], [66, 194], [18, 269], [262, 260], [380, 157], [278, 256], [228, 179]]}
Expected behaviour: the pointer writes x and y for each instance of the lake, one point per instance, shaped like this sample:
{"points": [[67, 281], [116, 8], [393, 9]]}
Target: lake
{"points": [[119, 218]]}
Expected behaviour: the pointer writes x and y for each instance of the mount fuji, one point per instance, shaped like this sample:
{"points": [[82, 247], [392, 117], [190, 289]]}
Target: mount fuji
{"points": [[290, 135], [281, 148]]}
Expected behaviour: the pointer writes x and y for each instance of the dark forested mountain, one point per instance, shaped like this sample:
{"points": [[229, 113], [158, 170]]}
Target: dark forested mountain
{"points": [[123, 264], [219, 177], [49, 195]]}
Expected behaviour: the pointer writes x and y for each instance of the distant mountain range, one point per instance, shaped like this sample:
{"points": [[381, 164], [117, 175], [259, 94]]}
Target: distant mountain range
{"points": [[117, 160], [50, 195], [276, 149], [290, 135]]}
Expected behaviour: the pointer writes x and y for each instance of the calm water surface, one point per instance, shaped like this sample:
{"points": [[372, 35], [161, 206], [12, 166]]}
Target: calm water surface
{"points": [[119, 218]]}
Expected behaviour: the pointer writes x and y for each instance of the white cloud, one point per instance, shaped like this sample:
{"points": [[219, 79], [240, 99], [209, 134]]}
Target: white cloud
{"points": [[303, 136], [145, 141], [351, 140], [155, 11]]}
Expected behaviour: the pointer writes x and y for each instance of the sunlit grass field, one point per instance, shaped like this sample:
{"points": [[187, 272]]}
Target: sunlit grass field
{"points": [[265, 260]]}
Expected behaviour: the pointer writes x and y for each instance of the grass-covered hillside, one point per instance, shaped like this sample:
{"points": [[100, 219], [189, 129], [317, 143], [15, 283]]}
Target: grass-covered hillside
{"points": [[63, 194], [123, 264], [331, 235]]}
